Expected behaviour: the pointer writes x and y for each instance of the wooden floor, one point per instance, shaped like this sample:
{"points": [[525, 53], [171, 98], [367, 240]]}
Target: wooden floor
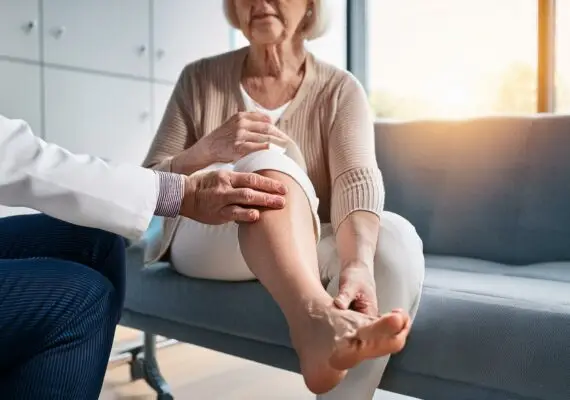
{"points": [[196, 373]]}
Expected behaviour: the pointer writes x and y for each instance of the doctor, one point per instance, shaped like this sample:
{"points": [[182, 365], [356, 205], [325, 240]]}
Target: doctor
{"points": [[62, 283]]}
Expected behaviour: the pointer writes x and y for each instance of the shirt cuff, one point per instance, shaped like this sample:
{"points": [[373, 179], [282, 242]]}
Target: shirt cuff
{"points": [[170, 194], [360, 189]]}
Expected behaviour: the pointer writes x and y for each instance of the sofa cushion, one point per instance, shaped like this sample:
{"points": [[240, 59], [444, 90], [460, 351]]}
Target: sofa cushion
{"points": [[490, 188], [241, 308], [501, 331]]}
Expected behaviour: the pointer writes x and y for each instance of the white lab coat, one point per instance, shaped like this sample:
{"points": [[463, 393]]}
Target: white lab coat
{"points": [[80, 189]]}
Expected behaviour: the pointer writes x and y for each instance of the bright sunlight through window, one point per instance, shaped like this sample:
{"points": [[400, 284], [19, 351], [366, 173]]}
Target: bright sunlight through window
{"points": [[452, 58]]}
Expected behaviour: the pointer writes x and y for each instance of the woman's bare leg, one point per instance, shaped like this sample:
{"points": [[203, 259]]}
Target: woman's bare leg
{"points": [[280, 250]]}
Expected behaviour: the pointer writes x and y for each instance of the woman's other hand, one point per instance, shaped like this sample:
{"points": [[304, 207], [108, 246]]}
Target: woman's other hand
{"points": [[357, 290], [242, 134]]}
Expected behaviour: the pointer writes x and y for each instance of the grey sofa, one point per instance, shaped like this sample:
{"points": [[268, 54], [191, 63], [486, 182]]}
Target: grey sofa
{"points": [[490, 198]]}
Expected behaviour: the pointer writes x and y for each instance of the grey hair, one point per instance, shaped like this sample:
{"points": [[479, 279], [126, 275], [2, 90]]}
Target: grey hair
{"points": [[318, 25]]}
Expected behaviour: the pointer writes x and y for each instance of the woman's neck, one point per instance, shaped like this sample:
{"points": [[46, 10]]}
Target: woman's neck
{"points": [[282, 61]]}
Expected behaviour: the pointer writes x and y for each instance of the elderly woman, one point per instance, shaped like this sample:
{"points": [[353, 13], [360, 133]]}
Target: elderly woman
{"points": [[274, 109]]}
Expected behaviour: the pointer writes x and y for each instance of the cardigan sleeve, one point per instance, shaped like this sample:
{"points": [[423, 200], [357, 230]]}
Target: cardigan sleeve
{"points": [[356, 179], [176, 131]]}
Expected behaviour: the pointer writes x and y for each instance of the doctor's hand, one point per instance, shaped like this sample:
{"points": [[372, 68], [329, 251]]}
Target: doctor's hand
{"points": [[217, 197]]}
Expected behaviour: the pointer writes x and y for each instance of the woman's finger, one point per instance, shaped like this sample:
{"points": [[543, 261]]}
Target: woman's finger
{"points": [[253, 137], [256, 126], [251, 116], [246, 148], [264, 128], [276, 132], [257, 138]]}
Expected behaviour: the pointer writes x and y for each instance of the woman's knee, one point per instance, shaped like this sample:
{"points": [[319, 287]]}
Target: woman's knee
{"points": [[399, 260], [278, 165], [274, 160]]}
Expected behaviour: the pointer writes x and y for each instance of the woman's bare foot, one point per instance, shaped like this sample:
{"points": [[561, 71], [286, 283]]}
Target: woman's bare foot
{"points": [[331, 341]]}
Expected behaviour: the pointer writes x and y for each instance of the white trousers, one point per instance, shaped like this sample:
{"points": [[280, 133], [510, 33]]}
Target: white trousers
{"points": [[213, 252]]}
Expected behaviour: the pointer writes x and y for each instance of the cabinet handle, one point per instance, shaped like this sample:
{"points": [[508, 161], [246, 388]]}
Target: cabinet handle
{"points": [[142, 50], [59, 32], [160, 53], [144, 116], [30, 26]]}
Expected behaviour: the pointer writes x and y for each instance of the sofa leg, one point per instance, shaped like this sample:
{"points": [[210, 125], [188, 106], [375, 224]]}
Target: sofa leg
{"points": [[136, 364], [150, 370]]}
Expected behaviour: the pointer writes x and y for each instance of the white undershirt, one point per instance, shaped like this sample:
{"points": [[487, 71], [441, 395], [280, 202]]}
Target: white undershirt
{"points": [[252, 105]]}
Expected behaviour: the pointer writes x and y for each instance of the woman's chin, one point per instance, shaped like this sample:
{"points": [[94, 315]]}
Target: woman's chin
{"points": [[267, 37]]}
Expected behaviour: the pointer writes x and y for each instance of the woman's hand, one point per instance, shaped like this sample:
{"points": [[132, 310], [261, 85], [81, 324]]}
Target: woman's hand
{"points": [[357, 290], [242, 134]]}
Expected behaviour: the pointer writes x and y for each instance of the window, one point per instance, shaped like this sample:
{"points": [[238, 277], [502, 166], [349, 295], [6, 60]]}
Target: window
{"points": [[450, 58], [562, 56], [330, 48]]}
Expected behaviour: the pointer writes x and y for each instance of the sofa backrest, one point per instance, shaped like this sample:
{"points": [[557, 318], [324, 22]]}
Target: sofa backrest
{"points": [[494, 188]]}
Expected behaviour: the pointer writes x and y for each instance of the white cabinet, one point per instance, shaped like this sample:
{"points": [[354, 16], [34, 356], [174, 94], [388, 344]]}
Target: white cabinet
{"points": [[103, 116], [103, 35], [19, 33], [185, 31], [162, 95], [20, 93]]}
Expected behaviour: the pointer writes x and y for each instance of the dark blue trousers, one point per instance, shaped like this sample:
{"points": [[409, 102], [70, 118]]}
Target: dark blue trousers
{"points": [[61, 294]]}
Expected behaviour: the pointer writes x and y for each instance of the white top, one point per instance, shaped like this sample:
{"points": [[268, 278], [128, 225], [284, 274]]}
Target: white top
{"points": [[252, 105], [80, 189]]}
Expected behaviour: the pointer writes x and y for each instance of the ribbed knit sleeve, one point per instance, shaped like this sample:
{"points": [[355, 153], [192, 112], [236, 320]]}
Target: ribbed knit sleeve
{"points": [[356, 180], [176, 130]]}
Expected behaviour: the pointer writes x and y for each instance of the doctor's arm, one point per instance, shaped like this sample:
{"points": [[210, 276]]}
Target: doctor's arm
{"points": [[120, 198], [81, 189]]}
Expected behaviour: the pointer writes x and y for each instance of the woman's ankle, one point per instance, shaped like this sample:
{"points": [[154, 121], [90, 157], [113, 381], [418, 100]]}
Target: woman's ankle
{"points": [[309, 307]]}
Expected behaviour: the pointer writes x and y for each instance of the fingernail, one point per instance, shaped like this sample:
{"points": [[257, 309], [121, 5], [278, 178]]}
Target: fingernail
{"points": [[283, 189], [279, 202]]}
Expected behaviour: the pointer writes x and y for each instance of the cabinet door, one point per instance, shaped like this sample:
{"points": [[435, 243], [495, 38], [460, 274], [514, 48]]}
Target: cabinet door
{"points": [[186, 31], [162, 93], [102, 35], [103, 116], [20, 93], [19, 33]]}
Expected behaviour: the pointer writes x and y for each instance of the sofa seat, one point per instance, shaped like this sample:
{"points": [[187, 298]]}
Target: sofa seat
{"points": [[479, 317], [476, 317]]}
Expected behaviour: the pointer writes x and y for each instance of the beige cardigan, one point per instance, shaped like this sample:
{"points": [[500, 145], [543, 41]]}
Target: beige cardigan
{"points": [[329, 119]]}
